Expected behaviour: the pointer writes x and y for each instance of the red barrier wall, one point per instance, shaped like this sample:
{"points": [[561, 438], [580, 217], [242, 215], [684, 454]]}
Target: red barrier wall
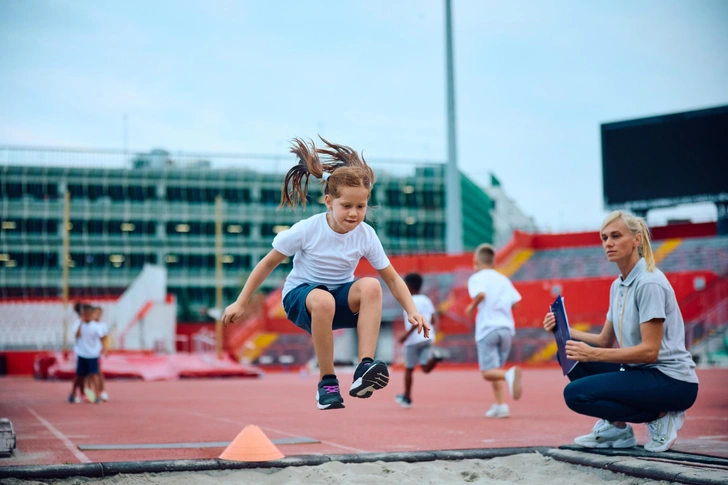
{"points": [[188, 330], [20, 362]]}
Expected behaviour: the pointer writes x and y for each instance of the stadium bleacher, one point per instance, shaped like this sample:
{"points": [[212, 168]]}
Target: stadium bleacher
{"points": [[698, 253], [587, 262]]}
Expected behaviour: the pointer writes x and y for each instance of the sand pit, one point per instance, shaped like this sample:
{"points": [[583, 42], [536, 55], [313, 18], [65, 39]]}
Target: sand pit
{"points": [[515, 469]]}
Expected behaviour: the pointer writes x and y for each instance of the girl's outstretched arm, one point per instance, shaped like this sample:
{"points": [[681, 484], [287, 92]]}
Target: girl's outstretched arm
{"points": [[261, 271], [402, 294]]}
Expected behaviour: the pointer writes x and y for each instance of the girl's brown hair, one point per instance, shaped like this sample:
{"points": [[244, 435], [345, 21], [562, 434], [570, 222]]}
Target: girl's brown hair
{"points": [[342, 164]]}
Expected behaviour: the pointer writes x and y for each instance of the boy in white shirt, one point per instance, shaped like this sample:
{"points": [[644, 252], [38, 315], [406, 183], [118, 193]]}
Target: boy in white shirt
{"points": [[494, 297], [417, 348]]}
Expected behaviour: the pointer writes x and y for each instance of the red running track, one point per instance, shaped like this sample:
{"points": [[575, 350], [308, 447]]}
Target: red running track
{"points": [[448, 413]]}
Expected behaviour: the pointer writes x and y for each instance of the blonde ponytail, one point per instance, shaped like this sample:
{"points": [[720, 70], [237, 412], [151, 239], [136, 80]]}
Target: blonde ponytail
{"points": [[645, 248]]}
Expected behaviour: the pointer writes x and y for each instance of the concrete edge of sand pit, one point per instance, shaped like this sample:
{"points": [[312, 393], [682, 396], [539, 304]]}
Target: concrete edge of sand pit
{"points": [[655, 467], [104, 469], [628, 465]]}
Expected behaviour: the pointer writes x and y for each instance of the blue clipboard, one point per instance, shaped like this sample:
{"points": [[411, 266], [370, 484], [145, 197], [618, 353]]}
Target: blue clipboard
{"points": [[562, 334]]}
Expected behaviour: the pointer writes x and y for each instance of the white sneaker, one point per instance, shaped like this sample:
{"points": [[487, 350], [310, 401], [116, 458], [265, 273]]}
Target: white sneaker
{"points": [[663, 431], [513, 379], [605, 435], [498, 411], [104, 396]]}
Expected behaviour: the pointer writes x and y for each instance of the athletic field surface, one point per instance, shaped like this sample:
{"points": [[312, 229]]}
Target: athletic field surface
{"points": [[186, 424]]}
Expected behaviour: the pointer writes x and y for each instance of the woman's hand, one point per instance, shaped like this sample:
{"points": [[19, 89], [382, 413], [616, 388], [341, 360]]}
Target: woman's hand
{"points": [[580, 352], [233, 313], [420, 322], [549, 322]]}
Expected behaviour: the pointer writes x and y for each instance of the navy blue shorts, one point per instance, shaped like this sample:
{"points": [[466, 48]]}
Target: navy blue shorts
{"points": [[294, 304], [87, 367]]}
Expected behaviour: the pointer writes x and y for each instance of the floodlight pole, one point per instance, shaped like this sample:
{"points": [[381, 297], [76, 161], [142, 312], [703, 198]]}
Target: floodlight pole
{"points": [[218, 275], [65, 261], [453, 199]]}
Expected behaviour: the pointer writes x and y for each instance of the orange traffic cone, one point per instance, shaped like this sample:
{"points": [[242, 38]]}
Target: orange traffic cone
{"points": [[251, 445]]}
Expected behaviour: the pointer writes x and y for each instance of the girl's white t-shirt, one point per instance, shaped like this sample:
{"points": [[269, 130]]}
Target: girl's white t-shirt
{"points": [[322, 256]]}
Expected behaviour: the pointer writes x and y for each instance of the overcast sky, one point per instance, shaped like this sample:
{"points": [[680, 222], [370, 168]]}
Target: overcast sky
{"points": [[534, 81]]}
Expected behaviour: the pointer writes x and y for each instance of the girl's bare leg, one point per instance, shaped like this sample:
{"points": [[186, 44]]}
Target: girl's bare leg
{"points": [[365, 297], [322, 307]]}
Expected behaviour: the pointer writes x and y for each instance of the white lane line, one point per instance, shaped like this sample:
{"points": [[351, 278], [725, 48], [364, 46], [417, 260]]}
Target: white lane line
{"points": [[71, 447], [344, 447], [225, 420]]}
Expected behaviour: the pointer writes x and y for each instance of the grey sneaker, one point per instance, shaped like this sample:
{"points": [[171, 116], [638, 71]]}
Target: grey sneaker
{"points": [[663, 431], [605, 435]]}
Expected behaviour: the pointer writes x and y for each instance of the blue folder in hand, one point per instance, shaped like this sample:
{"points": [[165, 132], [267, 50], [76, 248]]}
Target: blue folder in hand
{"points": [[562, 334]]}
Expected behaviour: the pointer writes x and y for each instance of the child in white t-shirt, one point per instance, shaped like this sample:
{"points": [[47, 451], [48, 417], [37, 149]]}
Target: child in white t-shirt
{"points": [[320, 294], [88, 348], [417, 348], [494, 297]]}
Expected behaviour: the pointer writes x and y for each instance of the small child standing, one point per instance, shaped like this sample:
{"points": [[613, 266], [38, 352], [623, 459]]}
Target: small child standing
{"points": [[84, 315], [494, 297], [88, 348], [321, 294], [417, 348]]}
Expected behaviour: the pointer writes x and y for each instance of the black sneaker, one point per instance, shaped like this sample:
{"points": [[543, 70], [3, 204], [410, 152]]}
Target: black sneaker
{"points": [[328, 395], [403, 401], [369, 377]]}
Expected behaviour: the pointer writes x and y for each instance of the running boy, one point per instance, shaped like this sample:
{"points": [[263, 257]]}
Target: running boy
{"points": [[494, 296], [417, 348], [320, 293]]}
